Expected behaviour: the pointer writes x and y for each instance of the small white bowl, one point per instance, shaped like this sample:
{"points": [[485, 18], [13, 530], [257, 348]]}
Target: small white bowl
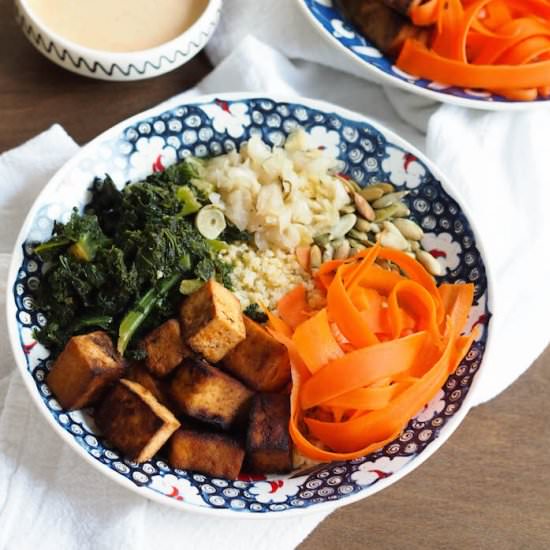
{"points": [[105, 65]]}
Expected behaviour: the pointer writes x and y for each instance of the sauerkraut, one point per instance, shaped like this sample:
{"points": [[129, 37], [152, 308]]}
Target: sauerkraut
{"points": [[284, 196]]}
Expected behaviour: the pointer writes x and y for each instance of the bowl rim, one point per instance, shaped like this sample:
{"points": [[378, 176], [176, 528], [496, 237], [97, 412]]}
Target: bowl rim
{"points": [[15, 263], [208, 14], [435, 95]]}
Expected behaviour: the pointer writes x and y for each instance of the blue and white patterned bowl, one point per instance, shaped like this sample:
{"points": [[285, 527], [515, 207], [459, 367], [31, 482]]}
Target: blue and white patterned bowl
{"points": [[326, 17], [210, 126]]}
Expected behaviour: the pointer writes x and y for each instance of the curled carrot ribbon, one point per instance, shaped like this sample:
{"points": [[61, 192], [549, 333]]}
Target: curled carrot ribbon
{"points": [[499, 45], [367, 362]]}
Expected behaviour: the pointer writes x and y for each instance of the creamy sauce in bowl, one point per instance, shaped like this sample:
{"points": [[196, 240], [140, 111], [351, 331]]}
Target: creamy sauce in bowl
{"points": [[118, 25]]}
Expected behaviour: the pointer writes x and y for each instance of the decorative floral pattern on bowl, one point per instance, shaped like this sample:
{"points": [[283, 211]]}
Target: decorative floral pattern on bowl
{"points": [[210, 126], [328, 19]]}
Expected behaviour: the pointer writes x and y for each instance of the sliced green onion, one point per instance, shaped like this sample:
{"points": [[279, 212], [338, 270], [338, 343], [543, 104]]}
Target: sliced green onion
{"points": [[210, 222], [187, 197], [188, 286]]}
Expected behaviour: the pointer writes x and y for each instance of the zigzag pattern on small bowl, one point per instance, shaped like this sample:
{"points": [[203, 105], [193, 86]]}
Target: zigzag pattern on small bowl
{"points": [[101, 65]]}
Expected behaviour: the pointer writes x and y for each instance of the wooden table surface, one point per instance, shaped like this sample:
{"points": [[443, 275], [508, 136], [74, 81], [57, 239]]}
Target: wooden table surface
{"points": [[488, 487]]}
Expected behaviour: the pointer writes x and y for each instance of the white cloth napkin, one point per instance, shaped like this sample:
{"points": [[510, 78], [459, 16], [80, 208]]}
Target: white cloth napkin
{"points": [[50, 499]]}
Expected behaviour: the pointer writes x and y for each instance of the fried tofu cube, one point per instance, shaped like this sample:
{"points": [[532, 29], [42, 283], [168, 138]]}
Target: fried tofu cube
{"points": [[268, 445], [206, 393], [213, 454], [212, 321], [134, 421], [137, 372], [260, 361], [84, 369], [165, 348]]}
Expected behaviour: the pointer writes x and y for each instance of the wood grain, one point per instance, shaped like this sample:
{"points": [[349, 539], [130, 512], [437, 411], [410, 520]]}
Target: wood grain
{"points": [[488, 487]]}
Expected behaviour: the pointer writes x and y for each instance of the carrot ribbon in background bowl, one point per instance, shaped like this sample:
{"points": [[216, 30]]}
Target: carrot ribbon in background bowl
{"points": [[499, 45], [367, 362]]}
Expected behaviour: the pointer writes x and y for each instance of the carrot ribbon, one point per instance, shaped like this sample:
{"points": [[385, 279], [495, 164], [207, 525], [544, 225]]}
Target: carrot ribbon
{"points": [[366, 363], [499, 45]]}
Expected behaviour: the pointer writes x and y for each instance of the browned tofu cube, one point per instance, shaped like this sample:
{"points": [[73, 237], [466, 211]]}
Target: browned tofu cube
{"points": [[137, 372], [165, 348], [134, 421], [206, 393], [213, 454], [84, 369], [259, 360], [268, 445], [212, 321]]}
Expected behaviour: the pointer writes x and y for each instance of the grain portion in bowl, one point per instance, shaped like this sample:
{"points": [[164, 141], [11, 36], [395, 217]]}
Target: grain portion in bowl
{"points": [[263, 276]]}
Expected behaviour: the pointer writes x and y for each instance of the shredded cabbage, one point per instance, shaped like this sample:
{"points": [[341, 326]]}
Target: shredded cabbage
{"points": [[283, 195]]}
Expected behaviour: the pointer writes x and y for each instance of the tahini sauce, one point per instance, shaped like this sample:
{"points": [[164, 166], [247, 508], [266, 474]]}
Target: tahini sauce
{"points": [[118, 25]]}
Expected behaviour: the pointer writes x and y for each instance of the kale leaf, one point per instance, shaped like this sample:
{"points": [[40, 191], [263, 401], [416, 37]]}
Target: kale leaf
{"points": [[255, 313], [116, 266], [81, 235], [106, 204], [233, 234]]}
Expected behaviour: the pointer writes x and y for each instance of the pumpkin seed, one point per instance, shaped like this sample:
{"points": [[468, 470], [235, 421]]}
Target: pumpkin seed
{"points": [[385, 264], [409, 229], [386, 213], [401, 211], [359, 236], [389, 199], [362, 225], [328, 253], [344, 224], [363, 207], [350, 185], [348, 209], [392, 238], [371, 193], [389, 240], [342, 252], [322, 240], [315, 257], [384, 186], [389, 226], [356, 245], [356, 187], [429, 262], [374, 228]]}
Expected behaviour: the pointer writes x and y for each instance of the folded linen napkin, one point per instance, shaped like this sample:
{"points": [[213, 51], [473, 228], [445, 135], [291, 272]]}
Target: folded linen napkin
{"points": [[49, 497]]}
